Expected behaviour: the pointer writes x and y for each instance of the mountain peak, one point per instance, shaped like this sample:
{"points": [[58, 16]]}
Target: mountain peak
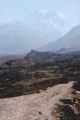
{"points": [[44, 12]]}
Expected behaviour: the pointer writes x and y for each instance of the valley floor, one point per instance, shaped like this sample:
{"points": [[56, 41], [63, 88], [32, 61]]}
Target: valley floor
{"points": [[40, 106]]}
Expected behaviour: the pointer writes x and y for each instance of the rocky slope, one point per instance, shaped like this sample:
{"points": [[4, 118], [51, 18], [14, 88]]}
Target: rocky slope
{"points": [[36, 56]]}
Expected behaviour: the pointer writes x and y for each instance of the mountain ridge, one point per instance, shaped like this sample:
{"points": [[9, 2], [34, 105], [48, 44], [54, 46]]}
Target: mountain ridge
{"points": [[69, 40]]}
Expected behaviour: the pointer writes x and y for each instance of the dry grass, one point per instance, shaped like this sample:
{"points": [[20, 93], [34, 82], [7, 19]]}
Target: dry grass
{"points": [[33, 79]]}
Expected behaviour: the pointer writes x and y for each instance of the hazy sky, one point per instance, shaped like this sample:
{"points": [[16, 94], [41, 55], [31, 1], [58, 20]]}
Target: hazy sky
{"points": [[69, 10]]}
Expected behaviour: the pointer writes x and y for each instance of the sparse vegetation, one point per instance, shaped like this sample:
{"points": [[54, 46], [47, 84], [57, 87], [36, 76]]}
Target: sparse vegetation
{"points": [[39, 72]]}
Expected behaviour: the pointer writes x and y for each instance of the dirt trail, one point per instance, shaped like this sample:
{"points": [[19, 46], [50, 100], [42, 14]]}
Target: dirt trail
{"points": [[39, 106]]}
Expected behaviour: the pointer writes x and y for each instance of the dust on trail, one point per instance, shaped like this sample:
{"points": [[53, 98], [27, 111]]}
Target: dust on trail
{"points": [[35, 106]]}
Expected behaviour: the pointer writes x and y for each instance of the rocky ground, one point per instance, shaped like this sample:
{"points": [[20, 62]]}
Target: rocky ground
{"points": [[26, 77], [70, 110]]}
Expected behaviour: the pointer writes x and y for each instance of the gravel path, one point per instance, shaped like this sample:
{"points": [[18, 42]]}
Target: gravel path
{"points": [[39, 106]]}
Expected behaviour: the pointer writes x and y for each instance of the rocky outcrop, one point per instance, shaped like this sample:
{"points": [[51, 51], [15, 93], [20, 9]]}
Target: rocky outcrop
{"points": [[35, 56]]}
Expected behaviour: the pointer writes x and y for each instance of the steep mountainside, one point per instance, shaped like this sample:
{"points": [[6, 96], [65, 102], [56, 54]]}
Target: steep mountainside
{"points": [[70, 40]]}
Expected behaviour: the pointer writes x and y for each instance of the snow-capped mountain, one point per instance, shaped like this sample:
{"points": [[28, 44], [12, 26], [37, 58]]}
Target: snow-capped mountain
{"points": [[35, 30], [50, 24]]}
